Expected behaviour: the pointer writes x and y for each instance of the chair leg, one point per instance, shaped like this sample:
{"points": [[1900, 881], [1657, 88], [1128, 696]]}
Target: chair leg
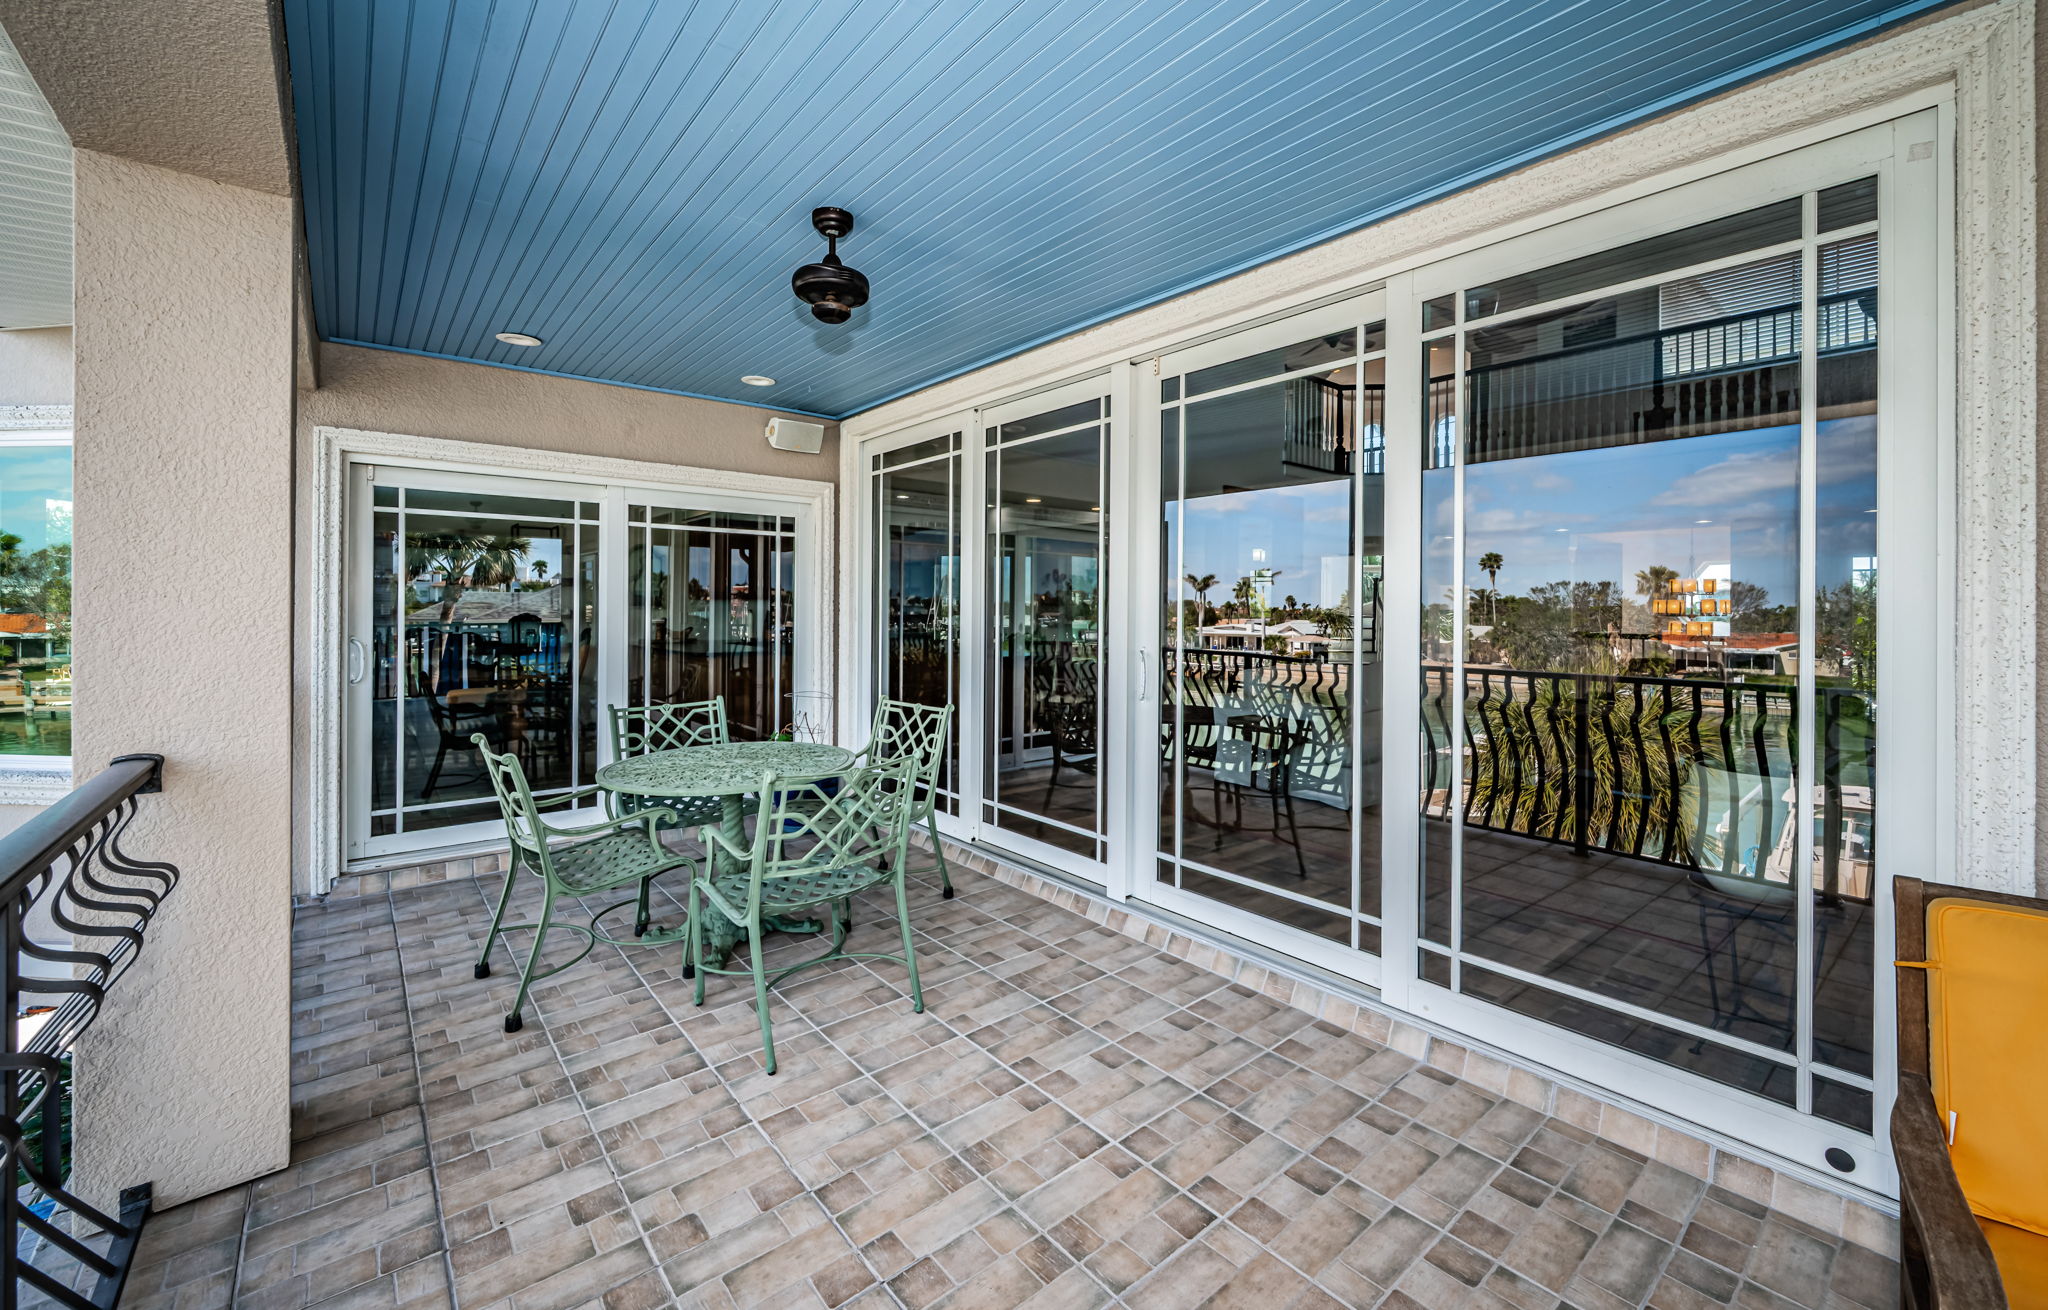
{"points": [[693, 945], [516, 1020], [434, 774], [1286, 800], [909, 955], [761, 993], [483, 959], [642, 919], [931, 825], [842, 922]]}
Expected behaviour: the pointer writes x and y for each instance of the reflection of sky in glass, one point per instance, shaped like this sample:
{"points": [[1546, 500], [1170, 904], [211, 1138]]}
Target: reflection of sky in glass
{"points": [[1612, 512], [1304, 530], [546, 550], [35, 494]]}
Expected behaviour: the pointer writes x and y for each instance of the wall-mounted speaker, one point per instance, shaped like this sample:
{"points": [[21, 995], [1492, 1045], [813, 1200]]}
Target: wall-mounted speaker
{"points": [[790, 434]]}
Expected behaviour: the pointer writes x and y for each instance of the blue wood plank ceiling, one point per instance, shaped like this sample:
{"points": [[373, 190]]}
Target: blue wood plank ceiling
{"points": [[632, 180]]}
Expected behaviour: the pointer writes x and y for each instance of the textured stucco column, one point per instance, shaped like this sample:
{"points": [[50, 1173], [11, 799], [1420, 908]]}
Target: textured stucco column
{"points": [[182, 579]]}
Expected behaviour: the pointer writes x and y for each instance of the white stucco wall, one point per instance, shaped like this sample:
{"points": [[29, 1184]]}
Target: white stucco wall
{"points": [[35, 366], [183, 629]]}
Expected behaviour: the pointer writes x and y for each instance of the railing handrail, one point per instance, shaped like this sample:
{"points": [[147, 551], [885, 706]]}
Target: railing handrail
{"points": [[37, 844], [67, 862]]}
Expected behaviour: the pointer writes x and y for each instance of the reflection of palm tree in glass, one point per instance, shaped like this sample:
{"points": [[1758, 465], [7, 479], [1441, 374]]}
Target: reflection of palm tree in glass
{"points": [[464, 560], [1200, 586], [1490, 564], [1655, 580], [540, 570]]}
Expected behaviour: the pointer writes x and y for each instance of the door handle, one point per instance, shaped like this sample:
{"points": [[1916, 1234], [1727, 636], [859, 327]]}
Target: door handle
{"points": [[358, 661], [1144, 672]]}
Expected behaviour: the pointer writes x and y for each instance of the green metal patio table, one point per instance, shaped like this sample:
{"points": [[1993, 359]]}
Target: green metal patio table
{"points": [[728, 771]]}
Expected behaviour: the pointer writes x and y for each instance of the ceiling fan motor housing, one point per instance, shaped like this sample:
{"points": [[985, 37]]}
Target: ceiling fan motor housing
{"points": [[829, 287]]}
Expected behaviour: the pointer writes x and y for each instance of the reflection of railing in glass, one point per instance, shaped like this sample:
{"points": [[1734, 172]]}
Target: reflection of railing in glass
{"points": [[1721, 375], [1680, 772], [1317, 426]]}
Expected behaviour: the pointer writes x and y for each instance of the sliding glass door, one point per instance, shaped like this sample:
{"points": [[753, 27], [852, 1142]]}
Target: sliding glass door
{"points": [[1044, 546], [1271, 554], [1658, 526], [1596, 526], [521, 610]]}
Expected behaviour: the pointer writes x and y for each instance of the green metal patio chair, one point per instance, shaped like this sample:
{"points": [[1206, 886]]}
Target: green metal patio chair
{"points": [[622, 850], [644, 729], [809, 851], [905, 731]]}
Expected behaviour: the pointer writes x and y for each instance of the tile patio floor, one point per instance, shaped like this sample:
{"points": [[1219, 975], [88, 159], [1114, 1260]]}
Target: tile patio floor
{"points": [[1077, 1120]]}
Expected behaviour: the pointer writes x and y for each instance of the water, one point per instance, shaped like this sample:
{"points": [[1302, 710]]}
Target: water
{"points": [[41, 734]]}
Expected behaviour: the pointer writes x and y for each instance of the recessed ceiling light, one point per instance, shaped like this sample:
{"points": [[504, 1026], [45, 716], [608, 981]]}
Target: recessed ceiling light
{"points": [[758, 380], [518, 339], [1031, 500], [903, 495], [1703, 520]]}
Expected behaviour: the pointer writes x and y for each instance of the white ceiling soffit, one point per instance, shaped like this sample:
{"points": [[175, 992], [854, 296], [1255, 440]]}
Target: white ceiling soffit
{"points": [[35, 202]]}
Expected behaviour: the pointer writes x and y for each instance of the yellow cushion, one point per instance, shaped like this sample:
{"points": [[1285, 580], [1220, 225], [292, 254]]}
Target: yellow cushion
{"points": [[1987, 1017], [2022, 1264]]}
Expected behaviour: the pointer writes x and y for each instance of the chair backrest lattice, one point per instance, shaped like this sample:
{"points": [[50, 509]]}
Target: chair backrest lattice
{"points": [[903, 730], [802, 829], [523, 824], [644, 729]]}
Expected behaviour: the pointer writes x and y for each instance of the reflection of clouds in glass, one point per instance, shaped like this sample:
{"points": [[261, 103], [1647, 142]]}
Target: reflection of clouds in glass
{"points": [[1298, 525], [1624, 508], [1737, 478]]}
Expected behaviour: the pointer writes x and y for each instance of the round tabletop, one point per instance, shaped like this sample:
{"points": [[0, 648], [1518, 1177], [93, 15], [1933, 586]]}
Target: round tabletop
{"points": [[726, 770]]}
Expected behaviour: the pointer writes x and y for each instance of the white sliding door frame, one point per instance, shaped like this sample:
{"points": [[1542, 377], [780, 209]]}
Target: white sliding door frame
{"points": [[612, 482]]}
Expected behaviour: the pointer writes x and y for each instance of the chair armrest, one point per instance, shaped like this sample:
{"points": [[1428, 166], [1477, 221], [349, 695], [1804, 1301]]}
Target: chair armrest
{"points": [[1939, 1228], [651, 819], [566, 797], [713, 836]]}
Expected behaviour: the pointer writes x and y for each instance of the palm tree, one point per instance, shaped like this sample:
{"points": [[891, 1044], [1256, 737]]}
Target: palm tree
{"points": [[464, 560], [540, 570], [1200, 586], [1243, 593], [1490, 564]]}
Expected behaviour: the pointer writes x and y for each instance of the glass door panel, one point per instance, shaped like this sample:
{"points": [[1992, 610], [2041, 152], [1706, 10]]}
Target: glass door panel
{"points": [[710, 601], [475, 591], [916, 508], [1045, 480], [1648, 647], [1272, 549]]}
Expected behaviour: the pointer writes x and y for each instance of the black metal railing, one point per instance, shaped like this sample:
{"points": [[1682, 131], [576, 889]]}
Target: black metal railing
{"points": [[1692, 774], [1719, 375], [63, 874]]}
